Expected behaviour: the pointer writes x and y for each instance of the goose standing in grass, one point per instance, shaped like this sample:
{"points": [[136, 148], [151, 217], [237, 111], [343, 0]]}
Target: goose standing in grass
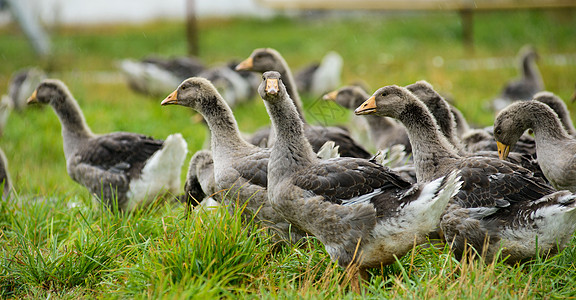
{"points": [[384, 132], [556, 149], [239, 168], [267, 59], [523, 88], [128, 167], [364, 214], [501, 206], [560, 108]]}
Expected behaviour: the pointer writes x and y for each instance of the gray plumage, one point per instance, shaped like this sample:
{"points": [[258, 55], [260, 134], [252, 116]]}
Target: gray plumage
{"points": [[156, 76], [5, 180], [522, 208], [556, 149], [267, 59], [384, 132], [440, 110], [116, 166], [523, 88], [239, 168], [559, 107], [22, 84], [200, 182], [362, 212]]}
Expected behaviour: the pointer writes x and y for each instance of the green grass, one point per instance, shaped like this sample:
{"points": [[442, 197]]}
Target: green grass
{"points": [[54, 242]]}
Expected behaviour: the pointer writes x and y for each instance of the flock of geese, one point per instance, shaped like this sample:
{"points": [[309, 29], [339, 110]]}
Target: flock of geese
{"points": [[498, 191]]}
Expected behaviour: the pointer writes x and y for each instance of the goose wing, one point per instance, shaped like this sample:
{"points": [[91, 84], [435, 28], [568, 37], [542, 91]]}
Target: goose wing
{"points": [[490, 182], [348, 180]]}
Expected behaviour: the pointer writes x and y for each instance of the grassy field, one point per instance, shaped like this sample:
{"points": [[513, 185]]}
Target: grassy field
{"points": [[55, 243]]}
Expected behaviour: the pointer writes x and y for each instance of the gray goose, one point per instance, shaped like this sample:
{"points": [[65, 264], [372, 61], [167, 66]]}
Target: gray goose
{"points": [[444, 117], [267, 59], [156, 76], [556, 149], [363, 213], [235, 86], [523, 88], [559, 107], [200, 183], [22, 84], [130, 167], [239, 167], [5, 181], [500, 203], [319, 78], [384, 132]]}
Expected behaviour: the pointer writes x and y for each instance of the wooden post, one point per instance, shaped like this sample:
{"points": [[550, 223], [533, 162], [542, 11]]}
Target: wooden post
{"points": [[191, 28], [467, 16]]}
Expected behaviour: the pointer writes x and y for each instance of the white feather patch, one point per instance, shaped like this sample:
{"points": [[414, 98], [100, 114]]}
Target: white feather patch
{"points": [[161, 172], [361, 198]]}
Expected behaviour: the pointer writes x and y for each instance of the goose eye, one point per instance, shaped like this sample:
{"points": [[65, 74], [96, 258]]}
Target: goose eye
{"points": [[498, 131]]}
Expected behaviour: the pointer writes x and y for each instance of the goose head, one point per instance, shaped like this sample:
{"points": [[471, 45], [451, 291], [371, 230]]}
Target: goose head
{"points": [[510, 124], [196, 92], [50, 91], [262, 60], [272, 89], [349, 96], [388, 101]]}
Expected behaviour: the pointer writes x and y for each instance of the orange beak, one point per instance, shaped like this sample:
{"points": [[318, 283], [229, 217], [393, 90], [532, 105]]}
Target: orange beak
{"points": [[171, 99], [272, 86], [503, 150], [32, 98], [330, 96], [245, 65], [366, 108]]}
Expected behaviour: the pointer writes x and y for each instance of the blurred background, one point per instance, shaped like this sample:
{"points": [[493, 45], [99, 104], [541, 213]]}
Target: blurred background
{"points": [[467, 49]]}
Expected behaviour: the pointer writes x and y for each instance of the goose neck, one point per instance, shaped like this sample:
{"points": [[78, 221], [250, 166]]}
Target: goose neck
{"points": [[291, 149], [430, 149]]}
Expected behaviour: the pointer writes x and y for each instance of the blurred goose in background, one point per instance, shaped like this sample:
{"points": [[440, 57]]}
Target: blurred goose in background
{"points": [[154, 76], [22, 85], [556, 149], [267, 59], [500, 207], [239, 168], [319, 78], [130, 167], [235, 86], [523, 88], [364, 214], [560, 108], [6, 106], [5, 181], [384, 132]]}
